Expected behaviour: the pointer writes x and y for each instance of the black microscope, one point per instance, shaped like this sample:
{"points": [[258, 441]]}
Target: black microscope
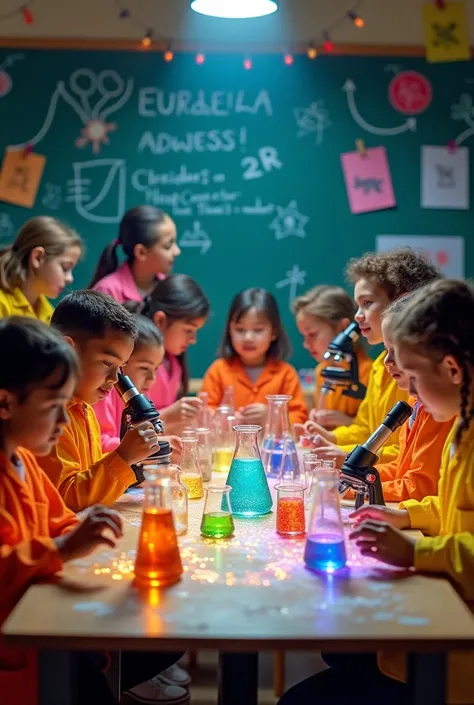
{"points": [[341, 350]]}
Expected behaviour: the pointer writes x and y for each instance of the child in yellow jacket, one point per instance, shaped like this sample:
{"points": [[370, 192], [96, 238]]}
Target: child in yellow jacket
{"points": [[378, 280]]}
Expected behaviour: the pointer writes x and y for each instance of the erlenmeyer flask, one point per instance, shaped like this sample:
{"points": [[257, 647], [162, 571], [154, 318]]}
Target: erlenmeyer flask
{"points": [[204, 415], [203, 437], [223, 438], [191, 475], [228, 398], [158, 563], [325, 549], [311, 465], [277, 433], [290, 469], [217, 522], [250, 494]]}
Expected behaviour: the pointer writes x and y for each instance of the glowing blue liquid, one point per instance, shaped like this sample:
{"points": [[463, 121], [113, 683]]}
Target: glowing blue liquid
{"points": [[272, 456], [250, 495], [325, 552]]}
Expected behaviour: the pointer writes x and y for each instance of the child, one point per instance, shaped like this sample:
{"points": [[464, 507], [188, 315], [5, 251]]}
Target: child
{"points": [[36, 267], [321, 314], [252, 355], [378, 280], [179, 308], [147, 237], [434, 346], [102, 332]]}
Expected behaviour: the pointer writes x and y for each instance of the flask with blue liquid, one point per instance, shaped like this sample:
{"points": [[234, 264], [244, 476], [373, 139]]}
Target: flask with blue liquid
{"points": [[325, 550], [250, 495], [278, 446]]}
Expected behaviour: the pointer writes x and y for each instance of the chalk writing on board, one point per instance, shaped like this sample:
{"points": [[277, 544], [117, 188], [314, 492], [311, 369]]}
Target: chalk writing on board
{"points": [[197, 238], [295, 277], [255, 167], [84, 85], [200, 141], [6, 81], [52, 196], [464, 110], [312, 120], [144, 179], [258, 208], [289, 221], [6, 227], [350, 88], [154, 101], [98, 189], [191, 203], [393, 68]]}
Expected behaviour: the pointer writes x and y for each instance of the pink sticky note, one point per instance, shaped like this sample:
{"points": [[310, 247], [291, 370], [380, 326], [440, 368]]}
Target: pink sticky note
{"points": [[368, 181]]}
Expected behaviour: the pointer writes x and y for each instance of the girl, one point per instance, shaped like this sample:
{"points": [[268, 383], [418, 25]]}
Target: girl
{"points": [[252, 356], [36, 267], [147, 237], [434, 345], [178, 308], [321, 314]]}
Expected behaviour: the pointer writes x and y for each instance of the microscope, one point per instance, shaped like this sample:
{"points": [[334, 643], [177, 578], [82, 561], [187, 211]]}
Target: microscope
{"points": [[341, 350], [358, 471]]}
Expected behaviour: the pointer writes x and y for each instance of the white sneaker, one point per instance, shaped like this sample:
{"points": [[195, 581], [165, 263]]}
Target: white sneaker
{"points": [[158, 691], [175, 675]]}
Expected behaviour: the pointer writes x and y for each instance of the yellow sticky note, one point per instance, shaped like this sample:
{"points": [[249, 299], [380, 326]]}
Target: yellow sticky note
{"points": [[20, 177], [446, 36]]}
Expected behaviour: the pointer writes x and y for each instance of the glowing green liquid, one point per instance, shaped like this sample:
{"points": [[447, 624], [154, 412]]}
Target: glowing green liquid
{"points": [[217, 525]]}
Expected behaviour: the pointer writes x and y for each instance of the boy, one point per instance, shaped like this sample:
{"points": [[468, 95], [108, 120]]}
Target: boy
{"points": [[378, 280]]}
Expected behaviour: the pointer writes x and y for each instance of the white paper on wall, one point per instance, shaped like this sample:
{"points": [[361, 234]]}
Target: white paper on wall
{"points": [[445, 251], [445, 178]]}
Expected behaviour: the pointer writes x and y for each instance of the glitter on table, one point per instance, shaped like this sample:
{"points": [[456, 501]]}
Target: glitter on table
{"points": [[193, 484], [290, 516]]}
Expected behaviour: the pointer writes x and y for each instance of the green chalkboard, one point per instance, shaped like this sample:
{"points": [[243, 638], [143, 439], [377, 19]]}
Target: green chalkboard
{"points": [[247, 162]]}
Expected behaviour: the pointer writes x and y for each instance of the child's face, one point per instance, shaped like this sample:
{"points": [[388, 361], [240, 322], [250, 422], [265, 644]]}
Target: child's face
{"points": [[101, 360], [251, 337], [371, 300], [36, 423], [161, 256], [390, 363], [317, 333], [53, 275], [143, 365], [179, 335], [436, 384]]}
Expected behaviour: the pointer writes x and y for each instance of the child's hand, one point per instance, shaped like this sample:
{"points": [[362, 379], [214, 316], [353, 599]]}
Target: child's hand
{"points": [[396, 517], [90, 533], [384, 542], [328, 451], [312, 428], [176, 447], [330, 418], [138, 443], [254, 414], [178, 415]]}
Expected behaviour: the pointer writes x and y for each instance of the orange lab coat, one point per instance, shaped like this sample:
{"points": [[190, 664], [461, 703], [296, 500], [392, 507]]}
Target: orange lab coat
{"points": [[415, 473], [32, 514], [77, 467], [277, 377], [336, 400]]}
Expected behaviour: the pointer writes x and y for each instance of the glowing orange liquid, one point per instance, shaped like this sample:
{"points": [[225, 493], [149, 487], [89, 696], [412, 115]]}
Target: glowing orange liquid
{"points": [[158, 562]]}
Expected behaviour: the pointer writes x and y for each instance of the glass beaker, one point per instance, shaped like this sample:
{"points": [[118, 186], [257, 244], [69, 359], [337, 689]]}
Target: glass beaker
{"points": [[325, 549], [223, 438], [228, 398], [290, 510], [277, 433], [204, 415], [203, 437], [191, 475], [217, 521], [311, 464], [290, 469], [250, 494], [158, 563]]}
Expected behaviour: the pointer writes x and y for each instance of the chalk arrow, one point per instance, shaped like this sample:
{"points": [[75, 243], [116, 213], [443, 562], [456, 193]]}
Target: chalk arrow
{"points": [[349, 89], [202, 244]]}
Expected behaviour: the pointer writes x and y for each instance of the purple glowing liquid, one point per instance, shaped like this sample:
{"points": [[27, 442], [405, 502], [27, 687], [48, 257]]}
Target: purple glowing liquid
{"points": [[325, 552]]}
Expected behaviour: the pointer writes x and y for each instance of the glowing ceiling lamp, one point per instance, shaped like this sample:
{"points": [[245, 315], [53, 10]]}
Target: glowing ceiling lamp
{"points": [[234, 9]]}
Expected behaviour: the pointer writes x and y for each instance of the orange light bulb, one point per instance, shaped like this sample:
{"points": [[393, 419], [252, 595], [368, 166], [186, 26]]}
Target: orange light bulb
{"points": [[168, 56]]}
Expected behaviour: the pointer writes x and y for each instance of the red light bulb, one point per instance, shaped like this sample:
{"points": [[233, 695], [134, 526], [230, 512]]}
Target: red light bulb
{"points": [[200, 59], [248, 64], [288, 59]]}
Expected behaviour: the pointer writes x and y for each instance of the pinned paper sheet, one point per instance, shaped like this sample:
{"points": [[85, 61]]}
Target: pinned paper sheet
{"points": [[446, 36], [445, 178], [446, 252], [20, 177], [368, 180]]}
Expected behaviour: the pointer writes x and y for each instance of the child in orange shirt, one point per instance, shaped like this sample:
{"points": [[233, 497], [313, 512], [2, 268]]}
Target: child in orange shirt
{"points": [[252, 355], [321, 314]]}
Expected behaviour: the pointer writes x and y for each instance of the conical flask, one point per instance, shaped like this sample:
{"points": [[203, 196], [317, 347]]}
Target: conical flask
{"points": [[228, 398], [325, 549], [223, 438], [158, 563], [277, 437], [250, 495], [191, 475], [204, 415]]}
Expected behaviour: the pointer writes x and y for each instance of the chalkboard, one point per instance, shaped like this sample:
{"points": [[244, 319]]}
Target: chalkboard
{"points": [[247, 162]]}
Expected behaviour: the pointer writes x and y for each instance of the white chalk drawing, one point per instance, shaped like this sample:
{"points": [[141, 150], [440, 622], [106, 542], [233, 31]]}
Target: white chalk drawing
{"points": [[295, 277], [196, 237], [464, 110], [7, 228], [350, 88], [6, 82], [98, 189], [314, 119], [52, 197], [289, 221], [266, 160], [84, 85], [393, 68]]}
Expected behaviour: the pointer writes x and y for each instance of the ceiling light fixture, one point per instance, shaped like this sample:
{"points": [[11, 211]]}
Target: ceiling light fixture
{"points": [[234, 9]]}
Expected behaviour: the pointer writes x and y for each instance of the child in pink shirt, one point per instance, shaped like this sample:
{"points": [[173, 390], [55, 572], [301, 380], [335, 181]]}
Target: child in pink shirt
{"points": [[147, 236]]}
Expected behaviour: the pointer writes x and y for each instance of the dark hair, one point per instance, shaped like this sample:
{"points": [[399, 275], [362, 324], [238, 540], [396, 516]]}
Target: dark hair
{"points": [[31, 353], [139, 226], [92, 314], [147, 333], [264, 303], [397, 271], [438, 321]]}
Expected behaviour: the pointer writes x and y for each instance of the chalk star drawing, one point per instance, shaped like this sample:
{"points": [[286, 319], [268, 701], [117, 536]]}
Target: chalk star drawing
{"points": [[196, 237], [464, 110], [289, 221], [312, 119], [368, 185], [349, 89], [52, 197], [98, 189], [6, 82], [445, 34], [295, 277], [83, 85], [445, 176], [6, 227]]}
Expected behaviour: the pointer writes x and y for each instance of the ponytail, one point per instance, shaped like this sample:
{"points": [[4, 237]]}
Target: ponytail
{"points": [[107, 263]]}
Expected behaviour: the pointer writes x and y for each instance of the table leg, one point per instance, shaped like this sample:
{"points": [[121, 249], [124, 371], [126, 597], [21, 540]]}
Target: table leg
{"points": [[427, 678], [56, 678], [238, 678]]}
